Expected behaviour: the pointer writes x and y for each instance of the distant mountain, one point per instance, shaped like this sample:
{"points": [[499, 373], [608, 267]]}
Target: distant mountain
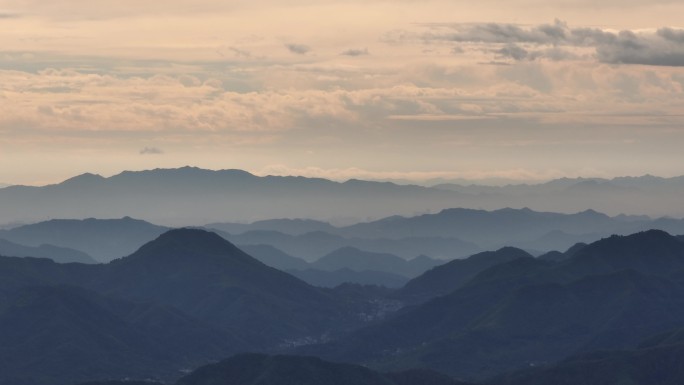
{"points": [[449, 234], [557, 256], [193, 196], [522, 228], [258, 369], [273, 257], [327, 278], [163, 196], [311, 246], [61, 334], [485, 228], [285, 226], [343, 270], [570, 195], [103, 239], [57, 254], [358, 260], [450, 276], [609, 295]]}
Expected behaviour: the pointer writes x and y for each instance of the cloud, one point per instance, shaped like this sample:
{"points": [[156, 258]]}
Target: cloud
{"points": [[299, 49], [663, 48], [558, 41], [355, 52], [151, 151], [512, 51]]}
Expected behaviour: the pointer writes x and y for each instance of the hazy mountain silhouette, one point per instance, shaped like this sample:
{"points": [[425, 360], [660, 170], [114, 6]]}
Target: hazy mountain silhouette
{"points": [[193, 196], [609, 295], [273, 257], [452, 233], [656, 195], [103, 239], [57, 254], [312, 246], [285, 226], [358, 260], [340, 271], [328, 278], [557, 256], [190, 195]]}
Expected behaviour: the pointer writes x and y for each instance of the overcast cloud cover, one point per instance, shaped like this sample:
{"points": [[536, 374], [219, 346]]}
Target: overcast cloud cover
{"points": [[521, 89]]}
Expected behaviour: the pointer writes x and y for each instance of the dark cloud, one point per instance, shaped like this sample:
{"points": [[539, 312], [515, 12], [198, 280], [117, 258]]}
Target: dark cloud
{"points": [[299, 49], [557, 41], [663, 48], [512, 51], [504, 33], [673, 35], [355, 52], [151, 151]]}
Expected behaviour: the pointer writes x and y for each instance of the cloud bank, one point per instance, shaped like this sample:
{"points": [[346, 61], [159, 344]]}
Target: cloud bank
{"points": [[330, 85], [558, 41]]}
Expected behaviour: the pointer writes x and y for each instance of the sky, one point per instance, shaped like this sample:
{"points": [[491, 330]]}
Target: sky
{"points": [[524, 90]]}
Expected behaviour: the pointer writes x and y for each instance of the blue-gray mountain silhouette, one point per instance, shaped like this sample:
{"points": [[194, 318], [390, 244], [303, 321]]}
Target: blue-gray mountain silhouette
{"points": [[610, 295], [57, 254]]}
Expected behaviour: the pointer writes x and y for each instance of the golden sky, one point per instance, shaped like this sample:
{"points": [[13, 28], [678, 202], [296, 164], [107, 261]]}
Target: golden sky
{"points": [[519, 89]]}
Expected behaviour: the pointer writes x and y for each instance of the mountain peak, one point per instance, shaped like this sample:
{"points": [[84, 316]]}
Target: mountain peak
{"points": [[191, 243], [83, 179]]}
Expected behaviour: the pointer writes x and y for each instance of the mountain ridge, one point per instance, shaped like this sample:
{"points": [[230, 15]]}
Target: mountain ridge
{"points": [[160, 196]]}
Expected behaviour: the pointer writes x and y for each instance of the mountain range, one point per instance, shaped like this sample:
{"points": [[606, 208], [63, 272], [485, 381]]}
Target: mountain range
{"points": [[58, 254], [610, 294], [103, 239], [181, 300], [448, 234], [193, 196], [190, 298]]}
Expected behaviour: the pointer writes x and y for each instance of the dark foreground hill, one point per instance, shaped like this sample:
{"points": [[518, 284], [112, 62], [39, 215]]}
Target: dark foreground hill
{"points": [[258, 369], [450, 276], [202, 274], [657, 361], [610, 295], [62, 334], [187, 298], [190, 297]]}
